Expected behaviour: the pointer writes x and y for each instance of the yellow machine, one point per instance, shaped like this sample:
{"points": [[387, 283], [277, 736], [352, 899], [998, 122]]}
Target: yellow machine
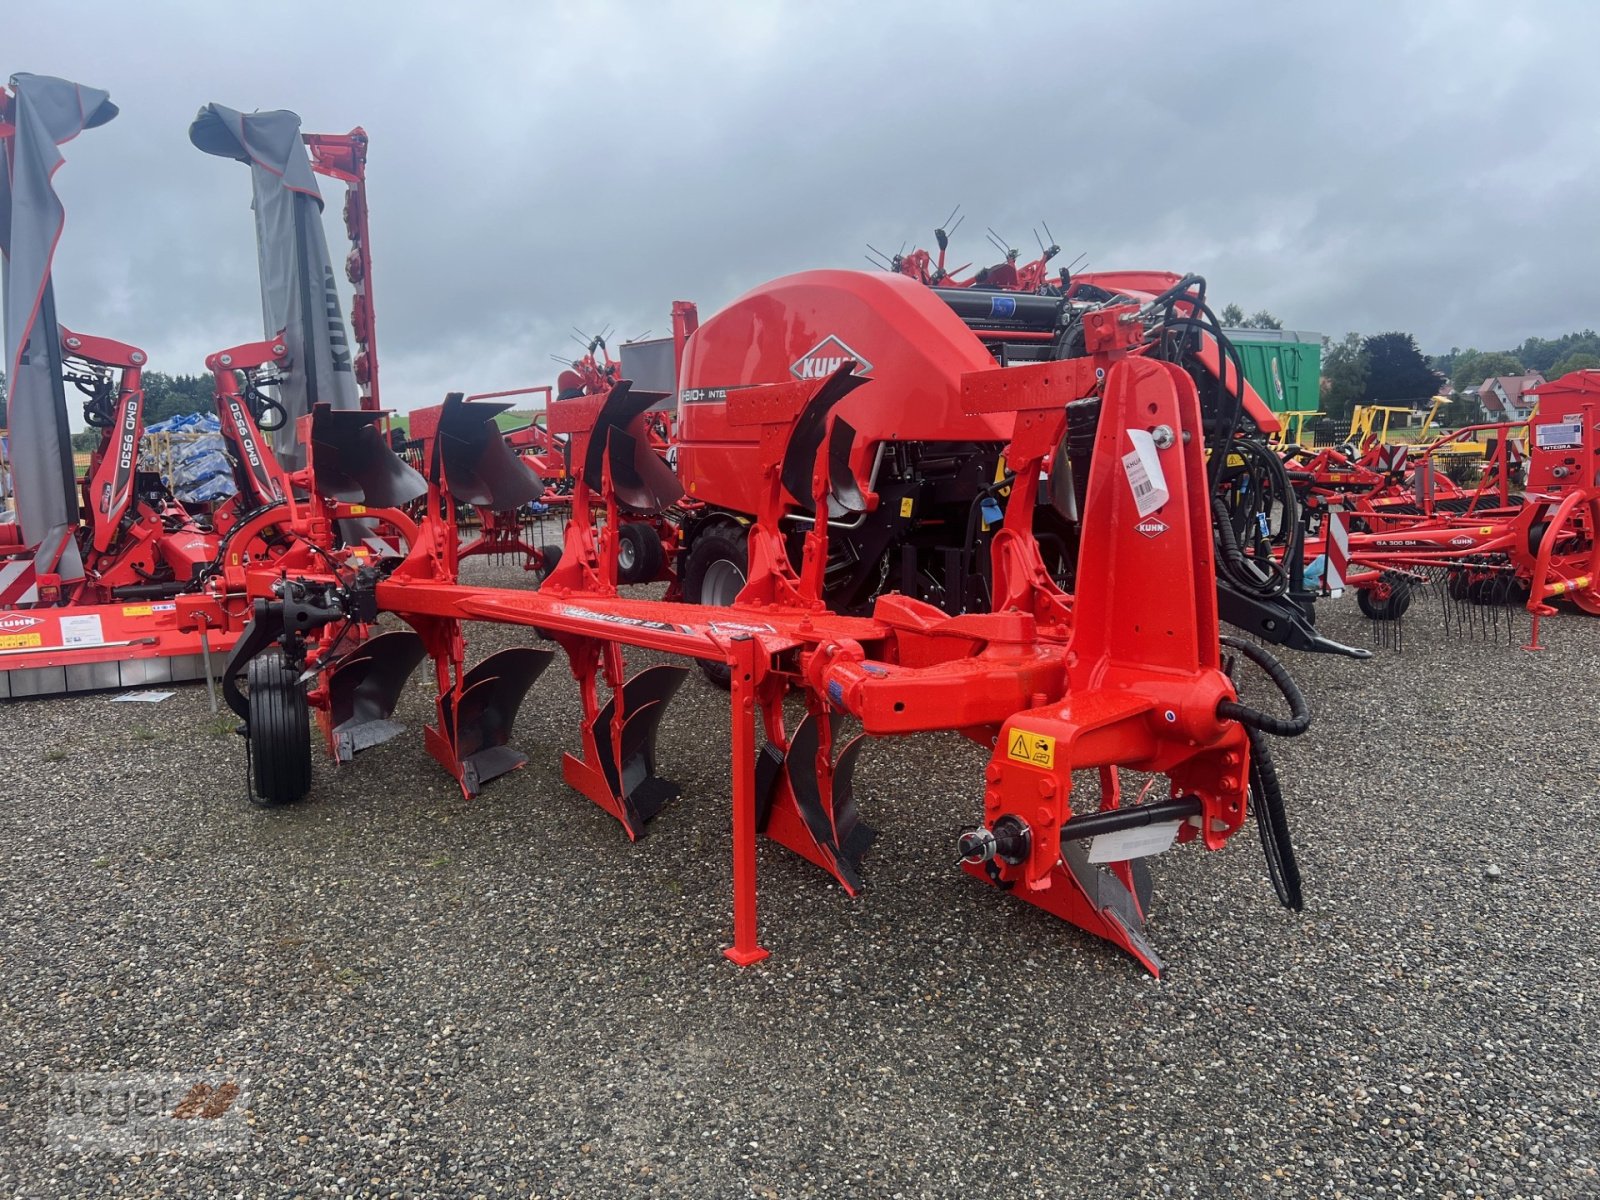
{"points": [[1365, 424], [1292, 427]]}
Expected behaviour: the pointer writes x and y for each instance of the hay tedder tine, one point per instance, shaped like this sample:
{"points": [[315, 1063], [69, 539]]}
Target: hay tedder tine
{"points": [[364, 688], [618, 767]]}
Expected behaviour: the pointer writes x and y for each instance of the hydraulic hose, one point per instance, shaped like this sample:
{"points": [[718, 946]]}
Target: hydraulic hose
{"points": [[1254, 719], [1272, 821], [1267, 483], [1268, 582]]}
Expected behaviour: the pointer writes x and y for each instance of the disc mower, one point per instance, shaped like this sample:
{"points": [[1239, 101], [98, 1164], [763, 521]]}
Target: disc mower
{"points": [[101, 579]]}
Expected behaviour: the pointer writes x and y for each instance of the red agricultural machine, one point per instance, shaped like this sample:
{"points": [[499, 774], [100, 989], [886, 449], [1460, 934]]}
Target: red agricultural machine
{"points": [[923, 487], [503, 523], [109, 581], [100, 578], [644, 542], [856, 415], [1497, 548], [1051, 682], [1008, 275]]}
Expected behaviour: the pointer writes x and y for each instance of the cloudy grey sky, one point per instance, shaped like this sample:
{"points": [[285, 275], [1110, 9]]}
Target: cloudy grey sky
{"points": [[1427, 166]]}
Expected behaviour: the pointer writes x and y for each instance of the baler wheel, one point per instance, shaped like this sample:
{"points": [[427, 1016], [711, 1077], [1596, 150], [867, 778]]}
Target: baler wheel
{"points": [[1387, 601], [280, 736], [640, 555], [714, 574], [549, 560]]}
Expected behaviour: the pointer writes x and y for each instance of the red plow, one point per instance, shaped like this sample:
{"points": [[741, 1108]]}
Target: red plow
{"points": [[1052, 684], [337, 566]]}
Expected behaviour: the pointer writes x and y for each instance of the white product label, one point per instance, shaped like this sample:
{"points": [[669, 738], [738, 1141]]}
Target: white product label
{"points": [[1563, 435], [83, 630], [1142, 466], [1139, 842]]}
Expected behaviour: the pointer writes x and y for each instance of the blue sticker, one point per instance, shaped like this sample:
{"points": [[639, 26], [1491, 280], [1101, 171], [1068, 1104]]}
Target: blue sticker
{"points": [[1002, 306], [836, 694]]}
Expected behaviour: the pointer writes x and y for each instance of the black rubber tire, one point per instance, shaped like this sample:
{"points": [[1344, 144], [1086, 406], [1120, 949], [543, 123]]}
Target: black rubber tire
{"points": [[549, 560], [1536, 534], [1392, 607], [280, 734], [640, 555], [727, 544]]}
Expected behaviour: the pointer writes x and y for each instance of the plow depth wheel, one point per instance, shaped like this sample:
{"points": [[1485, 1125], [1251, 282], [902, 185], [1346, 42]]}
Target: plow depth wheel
{"points": [[280, 734], [715, 574], [1386, 600]]}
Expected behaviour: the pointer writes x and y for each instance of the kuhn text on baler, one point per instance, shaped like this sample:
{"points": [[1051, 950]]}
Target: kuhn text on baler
{"points": [[1127, 672]]}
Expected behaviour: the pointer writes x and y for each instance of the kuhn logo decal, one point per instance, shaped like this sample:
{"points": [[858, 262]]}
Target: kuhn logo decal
{"points": [[1152, 527], [1463, 540], [13, 623], [825, 358]]}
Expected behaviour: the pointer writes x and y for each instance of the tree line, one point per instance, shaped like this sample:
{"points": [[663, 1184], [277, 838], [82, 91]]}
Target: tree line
{"points": [[164, 396], [1388, 368], [1380, 368], [1550, 357]]}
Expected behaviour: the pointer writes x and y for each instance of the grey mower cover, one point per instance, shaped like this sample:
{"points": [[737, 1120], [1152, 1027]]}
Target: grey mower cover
{"points": [[47, 113], [298, 295]]}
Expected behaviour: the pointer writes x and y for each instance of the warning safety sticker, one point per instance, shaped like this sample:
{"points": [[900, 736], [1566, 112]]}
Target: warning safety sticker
{"points": [[1035, 749]]}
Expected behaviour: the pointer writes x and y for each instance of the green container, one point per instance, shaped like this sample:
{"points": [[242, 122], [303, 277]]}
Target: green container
{"points": [[1283, 365]]}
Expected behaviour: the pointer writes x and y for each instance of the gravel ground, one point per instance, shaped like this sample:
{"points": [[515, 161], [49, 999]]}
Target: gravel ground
{"points": [[429, 996]]}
